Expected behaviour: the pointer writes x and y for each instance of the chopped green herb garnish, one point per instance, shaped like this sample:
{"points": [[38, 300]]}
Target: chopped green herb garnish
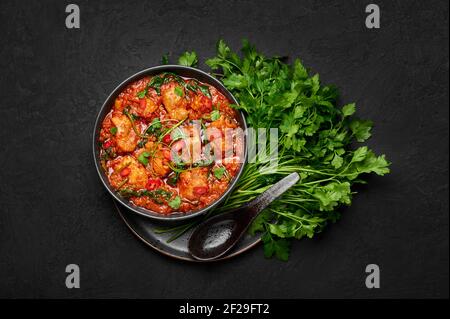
{"points": [[159, 195], [219, 172], [154, 127], [108, 153], [143, 158], [113, 130], [163, 193], [179, 91], [175, 203], [204, 162], [194, 86], [141, 94], [126, 192], [156, 83], [142, 142], [173, 179], [205, 90], [215, 115], [191, 86], [179, 167]]}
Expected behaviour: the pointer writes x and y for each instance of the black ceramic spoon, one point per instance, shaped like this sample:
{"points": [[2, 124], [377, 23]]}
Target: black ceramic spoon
{"points": [[217, 235]]}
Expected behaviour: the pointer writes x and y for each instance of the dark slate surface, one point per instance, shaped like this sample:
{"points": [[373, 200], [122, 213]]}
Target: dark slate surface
{"points": [[54, 211]]}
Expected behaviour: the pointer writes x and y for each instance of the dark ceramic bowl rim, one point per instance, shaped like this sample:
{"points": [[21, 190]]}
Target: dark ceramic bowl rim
{"points": [[195, 73]]}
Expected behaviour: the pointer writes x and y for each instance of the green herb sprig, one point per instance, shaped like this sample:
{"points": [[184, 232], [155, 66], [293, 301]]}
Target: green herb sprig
{"points": [[317, 138]]}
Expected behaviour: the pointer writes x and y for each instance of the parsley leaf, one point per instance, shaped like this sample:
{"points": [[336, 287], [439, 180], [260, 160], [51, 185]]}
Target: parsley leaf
{"points": [[188, 59], [360, 154], [205, 90], [361, 129], [178, 91], [215, 115], [235, 81], [165, 59], [154, 127], [219, 172], [348, 109], [337, 161], [175, 203], [278, 247], [141, 94], [156, 83], [143, 158]]}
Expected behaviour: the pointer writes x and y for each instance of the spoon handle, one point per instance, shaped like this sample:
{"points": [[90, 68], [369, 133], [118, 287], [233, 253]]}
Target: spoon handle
{"points": [[263, 200]]}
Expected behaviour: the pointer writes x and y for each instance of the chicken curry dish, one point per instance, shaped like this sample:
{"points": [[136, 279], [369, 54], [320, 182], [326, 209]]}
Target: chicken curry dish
{"points": [[171, 144]]}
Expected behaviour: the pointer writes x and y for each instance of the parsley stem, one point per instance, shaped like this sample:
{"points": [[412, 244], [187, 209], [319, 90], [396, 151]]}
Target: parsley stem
{"points": [[171, 129]]}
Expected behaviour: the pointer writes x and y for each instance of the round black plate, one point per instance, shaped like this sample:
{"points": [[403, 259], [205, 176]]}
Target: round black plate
{"points": [[144, 228]]}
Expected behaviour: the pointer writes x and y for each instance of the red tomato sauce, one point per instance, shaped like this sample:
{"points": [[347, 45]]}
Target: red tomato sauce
{"points": [[171, 144]]}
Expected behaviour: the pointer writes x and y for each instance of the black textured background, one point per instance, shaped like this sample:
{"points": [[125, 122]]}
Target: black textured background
{"points": [[54, 210]]}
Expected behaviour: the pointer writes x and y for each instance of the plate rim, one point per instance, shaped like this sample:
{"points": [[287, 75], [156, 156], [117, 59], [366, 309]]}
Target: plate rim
{"points": [[174, 256]]}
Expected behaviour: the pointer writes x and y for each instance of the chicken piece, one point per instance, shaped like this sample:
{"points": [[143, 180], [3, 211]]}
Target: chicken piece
{"points": [[179, 114], [146, 107], [194, 183], [126, 138], [201, 103], [128, 169], [224, 121], [173, 98], [160, 164], [159, 161], [118, 103]]}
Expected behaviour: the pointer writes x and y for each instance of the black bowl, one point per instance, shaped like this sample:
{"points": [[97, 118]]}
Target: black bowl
{"points": [[106, 107]]}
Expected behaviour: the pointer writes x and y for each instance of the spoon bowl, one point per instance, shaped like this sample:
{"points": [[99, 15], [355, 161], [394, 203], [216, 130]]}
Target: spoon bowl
{"points": [[218, 234]]}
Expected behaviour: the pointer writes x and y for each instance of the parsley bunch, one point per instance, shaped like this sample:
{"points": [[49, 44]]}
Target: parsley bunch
{"points": [[316, 139]]}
